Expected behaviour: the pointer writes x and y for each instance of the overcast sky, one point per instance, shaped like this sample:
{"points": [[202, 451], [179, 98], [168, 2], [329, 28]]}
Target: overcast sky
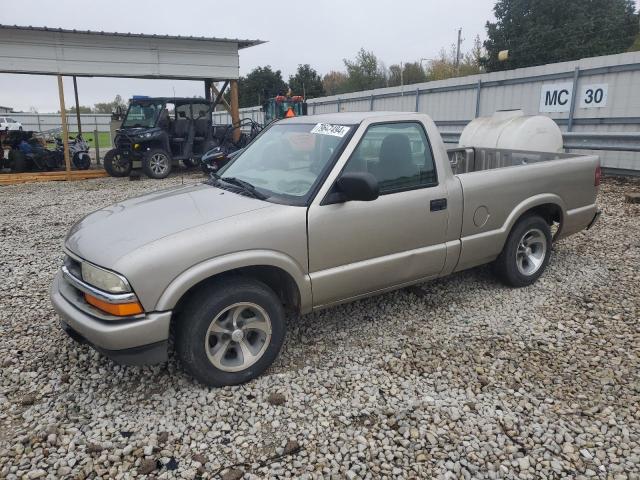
{"points": [[321, 33]]}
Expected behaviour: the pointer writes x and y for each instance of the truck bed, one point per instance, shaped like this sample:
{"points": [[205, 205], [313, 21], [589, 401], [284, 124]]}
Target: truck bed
{"points": [[498, 186], [474, 159]]}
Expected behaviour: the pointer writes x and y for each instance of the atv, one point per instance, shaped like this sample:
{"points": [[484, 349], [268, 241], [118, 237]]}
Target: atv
{"points": [[157, 133]]}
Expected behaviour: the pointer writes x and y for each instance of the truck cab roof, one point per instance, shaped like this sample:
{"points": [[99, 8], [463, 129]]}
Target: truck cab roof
{"points": [[352, 118]]}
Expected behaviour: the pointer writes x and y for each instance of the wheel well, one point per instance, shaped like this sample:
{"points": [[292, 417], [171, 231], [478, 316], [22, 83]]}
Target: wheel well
{"points": [[550, 212], [281, 282]]}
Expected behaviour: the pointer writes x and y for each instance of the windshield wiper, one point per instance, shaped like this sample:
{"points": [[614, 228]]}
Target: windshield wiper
{"points": [[246, 186], [236, 182]]}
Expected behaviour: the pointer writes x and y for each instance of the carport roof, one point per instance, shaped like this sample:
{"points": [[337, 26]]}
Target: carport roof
{"points": [[242, 43]]}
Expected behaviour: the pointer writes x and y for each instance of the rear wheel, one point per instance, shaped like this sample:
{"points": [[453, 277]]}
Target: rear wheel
{"points": [[116, 165], [157, 163], [526, 252], [230, 332]]}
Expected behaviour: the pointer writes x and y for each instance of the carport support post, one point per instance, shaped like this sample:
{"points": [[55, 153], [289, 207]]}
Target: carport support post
{"points": [[75, 91], [65, 130], [235, 110], [207, 90]]}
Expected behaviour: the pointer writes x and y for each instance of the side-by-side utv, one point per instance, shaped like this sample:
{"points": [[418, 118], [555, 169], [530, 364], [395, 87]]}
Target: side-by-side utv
{"points": [[157, 133]]}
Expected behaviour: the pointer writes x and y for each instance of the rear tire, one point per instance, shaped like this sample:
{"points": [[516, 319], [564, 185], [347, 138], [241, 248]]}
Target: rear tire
{"points": [[230, 331], [157, 163], [116, 165], [526, 252]]}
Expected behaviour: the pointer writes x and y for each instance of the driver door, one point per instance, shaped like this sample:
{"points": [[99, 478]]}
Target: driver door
{"points": [[359, 248]]}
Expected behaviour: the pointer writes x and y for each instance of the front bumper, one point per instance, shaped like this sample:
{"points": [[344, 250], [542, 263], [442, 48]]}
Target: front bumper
{"points": [[136, 341]]}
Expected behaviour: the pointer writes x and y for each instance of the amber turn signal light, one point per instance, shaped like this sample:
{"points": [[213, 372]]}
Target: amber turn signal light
{"points": [[117, 309]]}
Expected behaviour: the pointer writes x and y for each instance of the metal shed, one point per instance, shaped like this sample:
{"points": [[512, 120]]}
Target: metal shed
{"points": [[57, 51]]}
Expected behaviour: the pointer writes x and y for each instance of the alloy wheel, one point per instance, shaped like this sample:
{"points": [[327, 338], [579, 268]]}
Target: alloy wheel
{"points": [[238, 337], [159, 163], [531, 252]]}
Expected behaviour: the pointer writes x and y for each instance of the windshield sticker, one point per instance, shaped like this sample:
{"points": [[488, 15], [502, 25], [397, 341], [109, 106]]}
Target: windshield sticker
{"points": [[328, 129]]}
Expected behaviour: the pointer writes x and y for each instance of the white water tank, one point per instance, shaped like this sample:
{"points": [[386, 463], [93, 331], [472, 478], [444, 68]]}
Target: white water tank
{"points": [[513, 130]]}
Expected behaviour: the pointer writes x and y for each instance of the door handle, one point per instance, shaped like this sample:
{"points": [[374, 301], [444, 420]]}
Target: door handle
{"points": [[438, 204]]}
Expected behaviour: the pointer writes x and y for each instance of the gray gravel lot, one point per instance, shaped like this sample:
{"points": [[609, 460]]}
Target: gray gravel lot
{"points": [[457, 378]]}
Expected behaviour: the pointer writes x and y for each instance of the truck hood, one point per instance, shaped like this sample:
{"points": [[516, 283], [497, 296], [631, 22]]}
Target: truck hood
{"points": [[106, 235]]}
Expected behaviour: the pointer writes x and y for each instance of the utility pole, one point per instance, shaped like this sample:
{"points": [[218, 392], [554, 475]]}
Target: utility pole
{"points": [[458, 50]]}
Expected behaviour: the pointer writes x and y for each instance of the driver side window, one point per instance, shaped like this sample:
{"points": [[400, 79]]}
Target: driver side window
{"points": [[397, 154]]}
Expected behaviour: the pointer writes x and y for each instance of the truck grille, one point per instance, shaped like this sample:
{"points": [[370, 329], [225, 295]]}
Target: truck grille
{"points": [[73, 265]]}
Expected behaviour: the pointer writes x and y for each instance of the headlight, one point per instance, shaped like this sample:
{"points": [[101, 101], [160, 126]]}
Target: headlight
{"points": [[104, 279]]}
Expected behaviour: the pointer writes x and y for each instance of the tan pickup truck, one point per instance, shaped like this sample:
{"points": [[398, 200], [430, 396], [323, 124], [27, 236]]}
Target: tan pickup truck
{"points": [[317, 211]]}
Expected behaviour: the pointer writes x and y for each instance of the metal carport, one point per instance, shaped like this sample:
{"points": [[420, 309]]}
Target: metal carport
{"points": [[56, 51]]}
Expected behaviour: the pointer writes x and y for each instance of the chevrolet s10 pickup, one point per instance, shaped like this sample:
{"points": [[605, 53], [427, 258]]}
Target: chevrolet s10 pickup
{"points": [[316, 211]]}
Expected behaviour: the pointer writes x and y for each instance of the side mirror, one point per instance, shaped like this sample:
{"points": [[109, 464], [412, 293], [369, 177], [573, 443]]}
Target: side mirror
{"points": [[360, 186]]}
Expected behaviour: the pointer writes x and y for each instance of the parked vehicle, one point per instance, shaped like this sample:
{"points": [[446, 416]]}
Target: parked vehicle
{"points": [[8, 123], [216, 158], [157, 133], [28, 152], [226, 149], [317, 211], [78, 151], [284, 106]]}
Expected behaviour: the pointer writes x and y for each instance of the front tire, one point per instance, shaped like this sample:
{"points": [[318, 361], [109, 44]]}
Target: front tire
{"points": [[81, 160], [230, 332], [116, 165], [526, 253], [157, 163]]}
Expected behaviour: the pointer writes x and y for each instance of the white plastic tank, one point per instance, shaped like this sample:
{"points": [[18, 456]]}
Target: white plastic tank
{"points": [[513, 130]]}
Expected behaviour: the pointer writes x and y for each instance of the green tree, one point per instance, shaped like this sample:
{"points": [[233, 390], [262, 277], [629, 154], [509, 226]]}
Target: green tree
{"points": [[110, 107], [537, 32], [259, 85], [444, 66], [83, 109], [334, 83], [406, 75], [365, 72], [306, 82]]}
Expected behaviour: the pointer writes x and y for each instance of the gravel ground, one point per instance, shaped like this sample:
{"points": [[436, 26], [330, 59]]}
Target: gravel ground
{"points": [[456, 378]]}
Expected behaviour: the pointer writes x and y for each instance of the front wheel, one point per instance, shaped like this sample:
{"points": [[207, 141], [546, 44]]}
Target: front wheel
{"points": [[81, 160], [526, 252], [230, 332], [116, 164], [156, 163]]}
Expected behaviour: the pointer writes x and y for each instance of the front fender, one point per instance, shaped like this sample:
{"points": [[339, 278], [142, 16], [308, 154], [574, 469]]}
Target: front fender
{"points": [[225, 263]]}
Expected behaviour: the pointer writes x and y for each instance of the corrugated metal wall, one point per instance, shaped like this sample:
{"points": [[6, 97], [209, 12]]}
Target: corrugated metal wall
{"points": [[41, 122], [454, 102], [222, 117]]}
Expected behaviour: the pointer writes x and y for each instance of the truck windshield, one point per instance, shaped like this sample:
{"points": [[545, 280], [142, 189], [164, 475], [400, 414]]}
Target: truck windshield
{"points": [[142, 115], [287, 160]]}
